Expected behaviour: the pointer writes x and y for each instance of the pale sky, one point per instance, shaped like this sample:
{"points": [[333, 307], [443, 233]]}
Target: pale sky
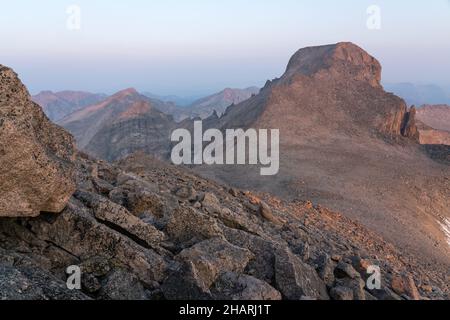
{"points": [[196, 47]]}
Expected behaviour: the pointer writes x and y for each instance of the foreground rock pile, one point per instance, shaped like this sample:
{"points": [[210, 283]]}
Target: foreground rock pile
{"points": [[146, 230]]}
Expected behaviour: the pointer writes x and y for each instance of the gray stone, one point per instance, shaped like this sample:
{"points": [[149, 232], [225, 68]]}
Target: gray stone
{"points": [[295, 279]]}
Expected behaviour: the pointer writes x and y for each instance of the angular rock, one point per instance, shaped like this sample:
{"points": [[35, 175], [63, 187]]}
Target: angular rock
{"points": [[341, 293], [356, 285], [267, 213], [120, 217], [262, 266], [233, 286], [122, 285], [404, 285], [201, 265], [211, 203], [344, 270], [326, 268], [295, 279], [190, 225], [76, 231]]}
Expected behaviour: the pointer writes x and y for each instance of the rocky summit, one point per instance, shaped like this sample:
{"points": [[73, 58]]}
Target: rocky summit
{"points": [[35, 155]]}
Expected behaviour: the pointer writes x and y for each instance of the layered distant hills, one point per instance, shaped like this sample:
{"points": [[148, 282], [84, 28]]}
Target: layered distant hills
{"points": [[205, 107], [415, 94], [219, 102], [57, 105], [122, 124]]}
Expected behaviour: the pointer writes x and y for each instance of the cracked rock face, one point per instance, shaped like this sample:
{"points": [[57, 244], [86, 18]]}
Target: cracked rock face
{"points": [[36, 169]]}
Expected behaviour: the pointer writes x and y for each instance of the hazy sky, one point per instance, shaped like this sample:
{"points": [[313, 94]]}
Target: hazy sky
{"points": [[194, 47]]}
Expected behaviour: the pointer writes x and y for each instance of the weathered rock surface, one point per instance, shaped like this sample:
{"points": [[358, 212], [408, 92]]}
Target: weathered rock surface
{"points": [[36, 169]]}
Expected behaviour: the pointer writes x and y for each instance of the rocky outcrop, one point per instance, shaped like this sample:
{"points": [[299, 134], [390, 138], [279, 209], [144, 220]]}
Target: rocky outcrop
{"points": [[342, 60], [434, 125], [410, 129], [435, 116], [36, 156]]}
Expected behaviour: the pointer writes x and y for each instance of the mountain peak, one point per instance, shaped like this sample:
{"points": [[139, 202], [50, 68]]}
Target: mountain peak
{"points": [[125, 93], [343, 59]]}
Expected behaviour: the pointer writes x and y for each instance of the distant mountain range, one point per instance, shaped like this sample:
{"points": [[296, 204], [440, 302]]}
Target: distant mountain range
{"points": [[120, 125], [57, 105], [418, 95], [204, 107], [179, 101], [220, 101]]}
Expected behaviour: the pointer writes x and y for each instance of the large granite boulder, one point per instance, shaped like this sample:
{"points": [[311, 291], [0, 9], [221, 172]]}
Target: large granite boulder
{"points": [[36, 168]]}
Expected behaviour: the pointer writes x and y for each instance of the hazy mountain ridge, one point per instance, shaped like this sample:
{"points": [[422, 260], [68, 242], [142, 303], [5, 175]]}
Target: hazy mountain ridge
{"points": [[57, 105], [204, 107], [120, 125], [418, 95]]}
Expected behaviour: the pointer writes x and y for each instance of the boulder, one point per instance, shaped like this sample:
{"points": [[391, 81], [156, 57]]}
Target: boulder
{"points": [[295, 279], [326, 268], [190, 225], [405, 285], [345, 270], [122, 285], [356, 285], [201, 265], [233, 286], [36, 156], [341, 293], [267, 213], [116, 215]]}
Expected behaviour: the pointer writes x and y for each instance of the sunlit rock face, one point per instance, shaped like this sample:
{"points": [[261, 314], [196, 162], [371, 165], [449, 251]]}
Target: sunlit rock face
{"points": [[36, 169]]}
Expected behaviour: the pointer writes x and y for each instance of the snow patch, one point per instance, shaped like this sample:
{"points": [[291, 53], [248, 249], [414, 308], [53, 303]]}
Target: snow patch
{"points": [[446, 228]]}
